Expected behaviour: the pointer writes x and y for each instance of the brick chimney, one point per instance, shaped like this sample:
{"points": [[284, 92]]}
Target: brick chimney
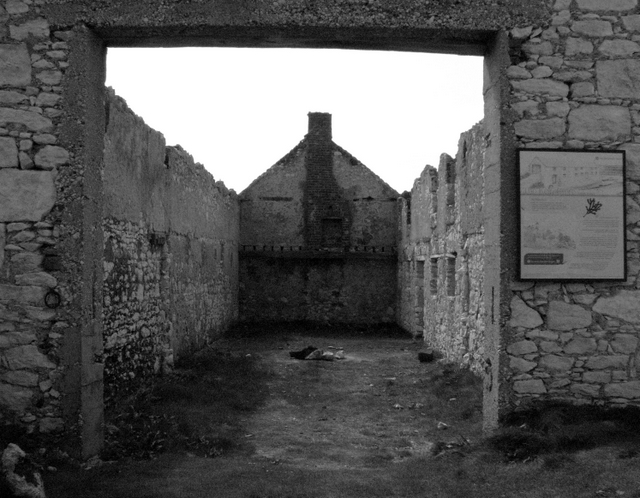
{"points": [[319, 126], [325, 211]]}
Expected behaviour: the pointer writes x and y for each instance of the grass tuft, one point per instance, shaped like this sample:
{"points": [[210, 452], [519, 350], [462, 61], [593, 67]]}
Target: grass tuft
{"points": [[553, 427], [166, 413]]}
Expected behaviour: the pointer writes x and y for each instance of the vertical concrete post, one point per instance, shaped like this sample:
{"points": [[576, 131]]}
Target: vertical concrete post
{"points": [[80, 200], [500, 223]]}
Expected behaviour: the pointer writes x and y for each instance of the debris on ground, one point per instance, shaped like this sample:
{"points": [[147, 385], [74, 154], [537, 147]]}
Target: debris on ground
{"points": [[312, 353], [303, 353], [427, 356], [19, 475]]}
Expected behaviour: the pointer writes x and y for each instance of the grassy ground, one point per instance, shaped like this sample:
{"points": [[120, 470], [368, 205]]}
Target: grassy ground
{"points": [[243, 419]]}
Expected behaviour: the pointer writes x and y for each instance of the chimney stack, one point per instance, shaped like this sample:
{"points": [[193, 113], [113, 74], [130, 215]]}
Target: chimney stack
{"points": [[320, 126]]}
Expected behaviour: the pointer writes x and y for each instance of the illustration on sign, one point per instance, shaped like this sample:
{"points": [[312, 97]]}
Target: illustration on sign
{"points": [[572, 217]]}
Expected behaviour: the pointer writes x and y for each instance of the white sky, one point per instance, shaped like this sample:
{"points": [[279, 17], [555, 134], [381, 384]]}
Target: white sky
{"points": [[238, 110]]}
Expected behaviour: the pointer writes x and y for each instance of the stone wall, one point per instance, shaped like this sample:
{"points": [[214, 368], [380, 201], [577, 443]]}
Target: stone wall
{"points": [[575, 85], [318, 237], [170, 260], [300, 286], [558, 73], [442, 255], [34, 300]]}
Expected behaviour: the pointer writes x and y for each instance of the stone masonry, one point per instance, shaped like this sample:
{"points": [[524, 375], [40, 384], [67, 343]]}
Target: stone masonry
{"points": [[558, 74], [170, 258], [575, 85], [32, 63], [441, 260], [318, 237]]}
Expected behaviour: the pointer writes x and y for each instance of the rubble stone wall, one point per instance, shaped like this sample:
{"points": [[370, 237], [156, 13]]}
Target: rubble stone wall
{"points": [[170, 260], [442, 255], [558, 74], [299, 287], [34, 298], [575, 84], [318, 237]]}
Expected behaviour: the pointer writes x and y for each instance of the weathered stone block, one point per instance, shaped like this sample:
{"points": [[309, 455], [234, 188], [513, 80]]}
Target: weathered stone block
{"points": [[628, 390], [618, 78], [521, 33], [15, 398], [607, 361], [517, 73], [39, 314], [22, 293], [529, 107], [24, 357], [522, 347], [561, 18], [619, 376], [15, 65], [38, 28], [632, 22], [548, 335], [559, 384], [553, 62], [592, 27], [592, 390], [560, 109], [572, 76], [32, 120], [597, 376], [541, 87], [12, 98], [25, 195], [583, 89], [521, 365], [51, 424], [19, 338], [25, 262], [22, 378], [564, 316], [523, 316], [556, 363], [45, 139], [623, 305], [599, 123], [16, 7], [540, 129], [578, 46], [544, 48], [607, 5], [581, 346], [550, 347], [50, 77], [46, 99], [619, 48], [51, 156], [585, 299], [624, 343], [529, 386], [2, 243], [8, 153], [40, 278]]}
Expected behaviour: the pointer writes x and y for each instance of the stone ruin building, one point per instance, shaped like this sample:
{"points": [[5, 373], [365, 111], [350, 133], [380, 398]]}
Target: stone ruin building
{"points": [[108, 271], [318, 237]]}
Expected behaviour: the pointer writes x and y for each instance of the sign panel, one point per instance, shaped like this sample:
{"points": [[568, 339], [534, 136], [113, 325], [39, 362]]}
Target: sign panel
{"points": [[572, 215]]}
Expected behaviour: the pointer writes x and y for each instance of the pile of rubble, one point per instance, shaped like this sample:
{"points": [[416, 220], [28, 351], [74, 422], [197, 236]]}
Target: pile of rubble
{"points": [[313, 353]]}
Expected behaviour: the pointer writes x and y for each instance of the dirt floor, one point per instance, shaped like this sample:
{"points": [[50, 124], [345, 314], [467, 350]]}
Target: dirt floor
{"points": [[245, 420], [326, 428]]}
